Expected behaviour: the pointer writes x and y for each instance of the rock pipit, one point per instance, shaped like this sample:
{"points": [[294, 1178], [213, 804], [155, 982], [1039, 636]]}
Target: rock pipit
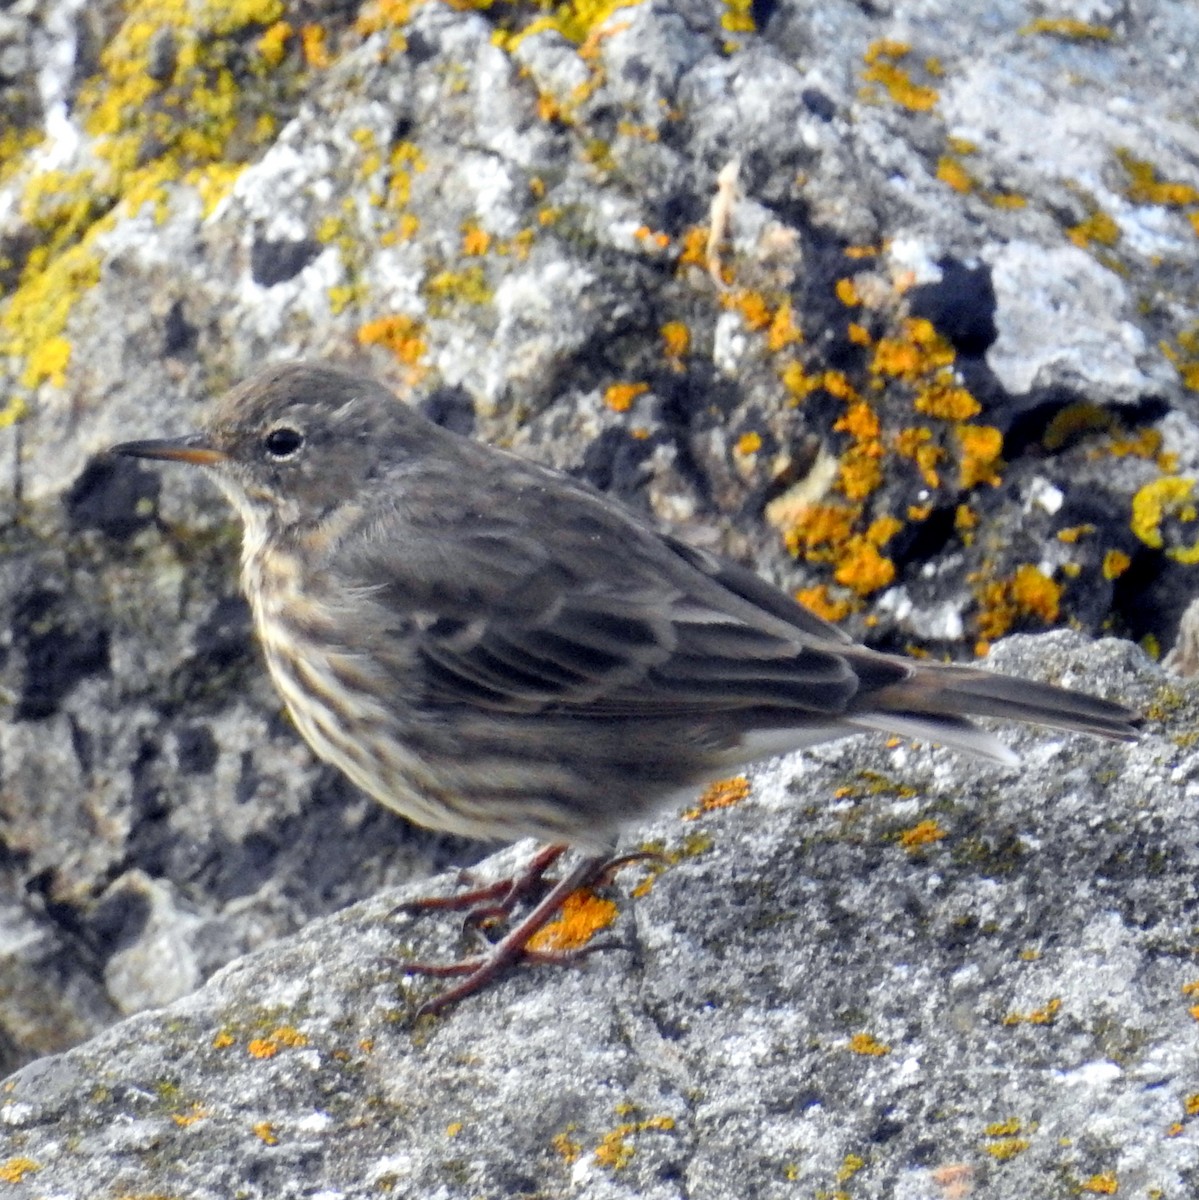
{"points": [[492, 648]]}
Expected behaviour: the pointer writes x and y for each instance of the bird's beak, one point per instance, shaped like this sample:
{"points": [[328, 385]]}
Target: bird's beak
{"points": [[194, 449]]}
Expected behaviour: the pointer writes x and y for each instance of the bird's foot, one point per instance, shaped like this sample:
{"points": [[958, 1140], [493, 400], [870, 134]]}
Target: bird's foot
{"points": [[488, 904]]}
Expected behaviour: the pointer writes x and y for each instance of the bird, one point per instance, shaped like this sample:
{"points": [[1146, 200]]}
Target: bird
{"points": [[495, 649]]}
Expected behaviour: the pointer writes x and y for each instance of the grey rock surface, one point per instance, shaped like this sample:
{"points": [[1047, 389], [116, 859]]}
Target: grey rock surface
{"points": [[510, 225], [888, 972]]}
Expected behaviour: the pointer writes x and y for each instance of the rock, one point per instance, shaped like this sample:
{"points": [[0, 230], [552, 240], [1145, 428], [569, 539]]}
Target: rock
{"points": [[888, 970], [917, 281]]}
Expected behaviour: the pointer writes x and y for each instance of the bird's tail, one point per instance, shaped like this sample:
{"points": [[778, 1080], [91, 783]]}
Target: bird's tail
{"points": [[935, 702]]}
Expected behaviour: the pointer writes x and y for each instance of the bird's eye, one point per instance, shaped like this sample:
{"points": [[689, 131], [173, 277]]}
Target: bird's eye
{"points": [[283, 443]]}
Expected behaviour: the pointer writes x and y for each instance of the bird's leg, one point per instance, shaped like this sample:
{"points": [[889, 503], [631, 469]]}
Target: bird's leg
{"points": [[505, 892], [480, 971]]}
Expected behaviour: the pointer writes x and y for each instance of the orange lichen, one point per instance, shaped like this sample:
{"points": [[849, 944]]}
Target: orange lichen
{"points": [[860, 471], [947, 402], [620, 396], [981, 447], [676, 340], [694, 252], [614, 1150], [656, 239], [749, 443], [860, 422], [783, 330], [847, 293], [867, 1044], [1003, 602], [924, 833], [821, 528], [269, 1046], [917, 444], [475, 240], [862, 568], [565, 1146], [883, 529], [820, 600], [265, 1132], [582, 916], [404, 336], [724, 793], [753, 307]]}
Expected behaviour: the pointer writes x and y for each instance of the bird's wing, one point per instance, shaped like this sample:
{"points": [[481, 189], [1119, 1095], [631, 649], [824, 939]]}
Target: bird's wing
{"points": [[565, 603]]}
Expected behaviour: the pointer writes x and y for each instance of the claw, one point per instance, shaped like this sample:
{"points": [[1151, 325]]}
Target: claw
{"points": [[478, 971]]}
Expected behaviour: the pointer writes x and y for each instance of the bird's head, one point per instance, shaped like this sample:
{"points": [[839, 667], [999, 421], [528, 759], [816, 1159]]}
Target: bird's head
{"points": [[293, 441]]}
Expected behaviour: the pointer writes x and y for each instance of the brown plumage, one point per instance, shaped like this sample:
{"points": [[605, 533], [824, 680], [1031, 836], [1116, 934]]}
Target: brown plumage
{"points": [[490, 647]]}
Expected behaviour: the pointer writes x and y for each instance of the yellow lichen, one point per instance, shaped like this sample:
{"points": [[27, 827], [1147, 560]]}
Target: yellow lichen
{"points": [[565, 1146], [951, 172], [1146, 188], [13, 1170], [445, 288], [1115, 563], [1105, 1184], [1170, 498], [1098, 228], [851, 1164], [882, 60], [1007, 1148], [1070, 28]]}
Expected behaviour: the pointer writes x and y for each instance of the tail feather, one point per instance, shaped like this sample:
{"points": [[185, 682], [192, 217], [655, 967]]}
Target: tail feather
{"points": [[938, 699], [955, 732]]}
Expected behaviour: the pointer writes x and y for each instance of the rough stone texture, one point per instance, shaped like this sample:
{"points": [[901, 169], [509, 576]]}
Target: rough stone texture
{"points": [[503, 227], [814, 999]]}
